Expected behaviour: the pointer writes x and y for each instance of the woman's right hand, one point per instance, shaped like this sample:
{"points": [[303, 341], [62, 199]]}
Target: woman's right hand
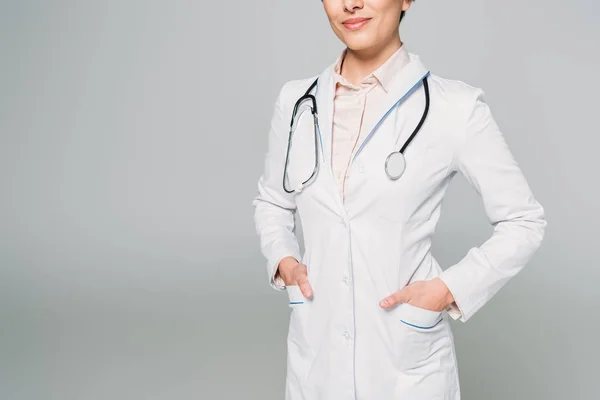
{"points": [[294, 273]]}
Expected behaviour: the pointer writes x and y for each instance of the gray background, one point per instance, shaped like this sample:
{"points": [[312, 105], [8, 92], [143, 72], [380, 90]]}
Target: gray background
{"points": [[132, 134]]}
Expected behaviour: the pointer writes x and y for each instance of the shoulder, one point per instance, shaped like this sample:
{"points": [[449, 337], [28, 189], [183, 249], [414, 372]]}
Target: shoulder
{"points": [[455, 94], [463, 109], [461, 104]]}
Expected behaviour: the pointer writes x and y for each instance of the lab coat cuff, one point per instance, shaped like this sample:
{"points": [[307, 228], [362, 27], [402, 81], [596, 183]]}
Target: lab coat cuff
{"points": [[452, 280], [454, 311]]}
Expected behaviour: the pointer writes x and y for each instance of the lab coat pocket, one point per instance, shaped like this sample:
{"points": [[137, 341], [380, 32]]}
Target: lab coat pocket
{"points": [[418, 317], [422, 338], [295, 295]]}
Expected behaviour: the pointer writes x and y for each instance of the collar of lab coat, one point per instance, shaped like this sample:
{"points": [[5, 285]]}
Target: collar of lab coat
{"points": [[403, 84]]}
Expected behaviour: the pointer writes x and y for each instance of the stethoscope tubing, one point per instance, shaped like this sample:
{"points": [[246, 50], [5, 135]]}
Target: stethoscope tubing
{"points": [[306, 96], [317, 132]]}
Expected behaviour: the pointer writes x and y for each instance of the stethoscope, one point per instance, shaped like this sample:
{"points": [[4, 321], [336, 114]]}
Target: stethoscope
{"points": [[395, 162]]}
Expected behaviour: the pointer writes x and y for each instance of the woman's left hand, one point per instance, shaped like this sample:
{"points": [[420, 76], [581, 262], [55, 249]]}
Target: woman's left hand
{"points": [[431, 295]]}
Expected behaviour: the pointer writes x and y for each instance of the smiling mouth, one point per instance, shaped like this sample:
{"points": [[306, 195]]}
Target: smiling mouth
{"points": [[355, 25]]}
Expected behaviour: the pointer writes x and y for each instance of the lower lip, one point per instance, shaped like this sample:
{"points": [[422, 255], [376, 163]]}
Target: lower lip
{"points": [[356, 25]]}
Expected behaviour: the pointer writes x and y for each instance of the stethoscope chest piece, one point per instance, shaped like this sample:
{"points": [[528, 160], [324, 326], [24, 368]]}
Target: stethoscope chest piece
{"points": [[395, 164]]}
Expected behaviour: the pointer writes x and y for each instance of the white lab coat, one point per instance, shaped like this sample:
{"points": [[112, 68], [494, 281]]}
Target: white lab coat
{"points": [[341, 344]]}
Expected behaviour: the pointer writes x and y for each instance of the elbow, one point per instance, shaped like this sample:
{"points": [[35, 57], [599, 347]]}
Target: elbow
{"points": [[540, 225], [534, 225], [527, 230]]}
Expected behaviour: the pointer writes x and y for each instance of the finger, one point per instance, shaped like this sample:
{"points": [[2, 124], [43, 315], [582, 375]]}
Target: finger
{"points": [[303, 283], [401, 296]]}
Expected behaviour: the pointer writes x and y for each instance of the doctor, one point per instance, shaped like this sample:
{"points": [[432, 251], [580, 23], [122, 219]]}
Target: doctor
{"points": [[376, 151]]}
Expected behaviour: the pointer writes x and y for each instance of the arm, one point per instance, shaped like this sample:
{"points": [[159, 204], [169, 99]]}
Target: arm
{"points": [[274, 209], [518, 220]]}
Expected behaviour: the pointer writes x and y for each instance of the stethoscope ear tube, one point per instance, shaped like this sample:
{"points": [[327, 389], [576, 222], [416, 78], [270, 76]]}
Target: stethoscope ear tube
{"points": [[313, 108], [423, 117], [301, 100]]}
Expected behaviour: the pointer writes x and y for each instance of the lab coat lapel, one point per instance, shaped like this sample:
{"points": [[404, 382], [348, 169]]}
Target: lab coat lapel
{"points": [[408, 79], [325, 95]]}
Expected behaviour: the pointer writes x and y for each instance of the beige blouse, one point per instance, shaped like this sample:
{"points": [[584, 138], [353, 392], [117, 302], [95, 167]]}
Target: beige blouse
{"points": [[356, 107]]}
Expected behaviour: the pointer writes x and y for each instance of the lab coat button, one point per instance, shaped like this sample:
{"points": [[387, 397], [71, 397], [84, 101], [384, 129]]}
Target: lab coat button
{"points": [[346, 335], [346, 280]]}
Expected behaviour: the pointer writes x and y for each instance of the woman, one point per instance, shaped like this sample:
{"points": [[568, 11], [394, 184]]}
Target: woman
{"points": [[370, 304]]}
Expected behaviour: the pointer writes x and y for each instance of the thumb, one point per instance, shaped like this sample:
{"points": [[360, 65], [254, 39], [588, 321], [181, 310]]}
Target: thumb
{"points": [[401, 296], [302, 280]]}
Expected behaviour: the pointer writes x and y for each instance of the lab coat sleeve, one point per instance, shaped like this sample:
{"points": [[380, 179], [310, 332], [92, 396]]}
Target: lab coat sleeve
{"points": [[517, 218], [274, 209]]}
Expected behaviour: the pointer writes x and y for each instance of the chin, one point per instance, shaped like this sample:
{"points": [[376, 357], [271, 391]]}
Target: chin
{"points": [[358, 43]]}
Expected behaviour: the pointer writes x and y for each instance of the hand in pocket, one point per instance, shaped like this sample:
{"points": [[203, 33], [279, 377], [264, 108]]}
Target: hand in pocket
{"points": [[432, 295], [294, 273]]}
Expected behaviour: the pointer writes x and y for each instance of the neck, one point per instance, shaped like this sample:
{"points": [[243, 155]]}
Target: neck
{"points": [[357, 64]]}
